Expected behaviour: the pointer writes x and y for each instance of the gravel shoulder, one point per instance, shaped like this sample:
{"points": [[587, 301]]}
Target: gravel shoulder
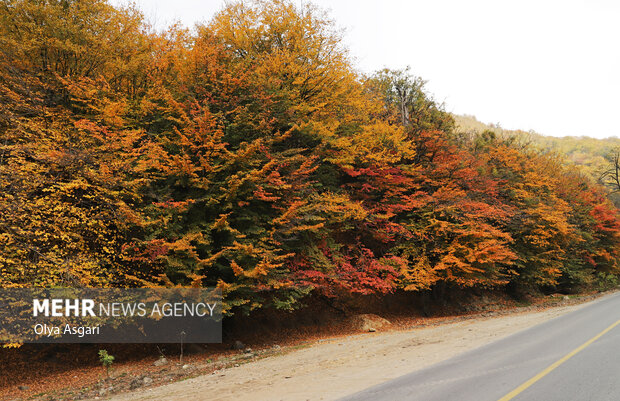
{"points": [[333, 368]]}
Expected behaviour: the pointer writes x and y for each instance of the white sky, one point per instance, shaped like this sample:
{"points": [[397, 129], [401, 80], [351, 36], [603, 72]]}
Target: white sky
{"points": [[545, 65]]}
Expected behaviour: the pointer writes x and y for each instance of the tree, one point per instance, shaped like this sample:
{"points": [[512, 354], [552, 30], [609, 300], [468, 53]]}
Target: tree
{"points": [[611, 177], [63, 201], [407, 101]]}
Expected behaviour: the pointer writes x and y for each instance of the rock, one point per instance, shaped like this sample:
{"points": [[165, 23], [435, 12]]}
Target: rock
{"points": [[147, 381], [368, 321], [276, 347], [161, 362], [566, 297], [247, 351], [23, 388], [186, 366], [238, 345], [136, 383], [371, 329]]}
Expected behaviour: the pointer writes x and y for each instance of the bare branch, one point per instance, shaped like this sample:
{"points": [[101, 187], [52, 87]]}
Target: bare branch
{"points": [[611, 177]]}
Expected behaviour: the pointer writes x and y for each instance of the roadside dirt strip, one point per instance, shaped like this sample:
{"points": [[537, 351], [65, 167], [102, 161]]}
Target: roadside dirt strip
{"points": [[331, 369]]}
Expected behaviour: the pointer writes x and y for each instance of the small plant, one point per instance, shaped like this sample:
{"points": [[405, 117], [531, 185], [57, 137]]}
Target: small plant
{"points": [[106, 360], [182, 334]]}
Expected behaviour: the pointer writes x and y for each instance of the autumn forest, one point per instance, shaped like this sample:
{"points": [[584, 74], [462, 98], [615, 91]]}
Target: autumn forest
{"points": [[248, 153]]}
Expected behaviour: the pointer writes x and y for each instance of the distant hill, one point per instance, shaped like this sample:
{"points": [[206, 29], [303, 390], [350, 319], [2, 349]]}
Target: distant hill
{"points": [[589, 153]]}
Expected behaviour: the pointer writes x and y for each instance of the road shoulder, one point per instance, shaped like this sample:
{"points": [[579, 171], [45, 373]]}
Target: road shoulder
{"points": [[334, 368]]}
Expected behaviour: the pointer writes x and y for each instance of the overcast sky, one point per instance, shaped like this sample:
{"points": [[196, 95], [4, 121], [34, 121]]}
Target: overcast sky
{"points": [[548, 66]]}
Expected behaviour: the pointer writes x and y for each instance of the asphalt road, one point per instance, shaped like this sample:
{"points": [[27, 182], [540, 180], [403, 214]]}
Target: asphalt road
{"points": [[573, 357]]}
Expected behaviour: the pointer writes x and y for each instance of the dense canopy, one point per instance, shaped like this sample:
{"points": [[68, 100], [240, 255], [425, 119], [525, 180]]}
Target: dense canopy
{"points": [[248, 153]]}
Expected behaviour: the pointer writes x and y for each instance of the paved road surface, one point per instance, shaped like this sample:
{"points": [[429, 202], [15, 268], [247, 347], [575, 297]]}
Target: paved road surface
{"points": [[573, 357]]}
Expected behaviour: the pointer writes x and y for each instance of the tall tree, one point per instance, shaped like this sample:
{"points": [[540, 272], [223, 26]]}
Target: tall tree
{"points": [[611, 176]]}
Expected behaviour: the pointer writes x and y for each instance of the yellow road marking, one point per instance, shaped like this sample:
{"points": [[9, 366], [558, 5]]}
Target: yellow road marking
{"points": [[551, 367]]}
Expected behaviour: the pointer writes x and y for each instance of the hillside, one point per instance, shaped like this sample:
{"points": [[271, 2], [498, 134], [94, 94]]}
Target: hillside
{"points": [[588, 153]]}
